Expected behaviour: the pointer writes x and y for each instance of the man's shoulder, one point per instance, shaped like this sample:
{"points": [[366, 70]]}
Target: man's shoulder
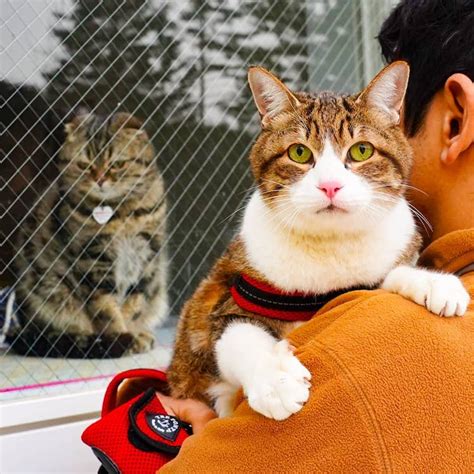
{"points": [[360, 322], [390, 365]]}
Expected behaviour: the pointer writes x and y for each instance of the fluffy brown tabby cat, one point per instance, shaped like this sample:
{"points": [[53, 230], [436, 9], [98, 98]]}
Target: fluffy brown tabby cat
{"points": [[328, 215], [91, 268]]}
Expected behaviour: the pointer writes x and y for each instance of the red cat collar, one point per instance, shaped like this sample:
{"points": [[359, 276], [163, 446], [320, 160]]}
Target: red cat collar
{"points": [[266, 300]]}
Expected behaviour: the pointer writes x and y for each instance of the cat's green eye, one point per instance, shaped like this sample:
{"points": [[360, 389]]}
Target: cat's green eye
{"points": [[361, 151], [82, 165], [300, 153]]}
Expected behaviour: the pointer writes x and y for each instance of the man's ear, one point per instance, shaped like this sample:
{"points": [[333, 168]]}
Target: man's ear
{"points": [[271, 96], [458, 125], [387, 90]]}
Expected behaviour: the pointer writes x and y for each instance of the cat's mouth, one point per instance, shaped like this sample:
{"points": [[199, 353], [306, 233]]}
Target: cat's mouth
{"points": [[106, 192], [332, 209]]}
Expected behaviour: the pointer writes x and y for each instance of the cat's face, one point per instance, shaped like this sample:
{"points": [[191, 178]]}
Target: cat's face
{"points": [[329, 162], [106, 159]]}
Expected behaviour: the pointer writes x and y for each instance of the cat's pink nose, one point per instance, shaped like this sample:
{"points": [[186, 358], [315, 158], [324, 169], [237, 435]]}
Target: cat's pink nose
{"points": [[330, 188]]}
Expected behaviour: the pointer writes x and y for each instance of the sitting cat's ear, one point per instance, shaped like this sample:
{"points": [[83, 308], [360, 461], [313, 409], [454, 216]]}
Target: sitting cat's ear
{"points": [[387, 90], [125, 120], [271, 96], [73, 126]]}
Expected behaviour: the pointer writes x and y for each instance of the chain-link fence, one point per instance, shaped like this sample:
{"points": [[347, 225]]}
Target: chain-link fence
{"points": [[180, 67]]}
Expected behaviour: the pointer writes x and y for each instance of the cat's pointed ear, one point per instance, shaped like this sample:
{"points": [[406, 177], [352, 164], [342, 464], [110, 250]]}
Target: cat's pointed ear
{"points": [[74, 125], [124, 120], [271, 96], [387, 90]]}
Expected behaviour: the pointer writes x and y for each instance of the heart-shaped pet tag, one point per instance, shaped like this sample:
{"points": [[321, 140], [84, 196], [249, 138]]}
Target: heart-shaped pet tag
{"points": [[102, 214]]}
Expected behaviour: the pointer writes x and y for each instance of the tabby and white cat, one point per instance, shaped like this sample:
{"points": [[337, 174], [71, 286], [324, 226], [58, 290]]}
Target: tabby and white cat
{"points": [[328, 215], [91, 267]]}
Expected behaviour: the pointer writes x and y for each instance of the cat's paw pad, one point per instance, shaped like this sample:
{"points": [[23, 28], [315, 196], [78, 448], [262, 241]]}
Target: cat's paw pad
{"points": [[281, 384], [440, 293]]}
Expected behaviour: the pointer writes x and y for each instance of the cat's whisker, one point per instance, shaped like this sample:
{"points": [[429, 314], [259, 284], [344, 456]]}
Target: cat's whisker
{"points": [[271, 181], [386, 198], [248, 191], [372, 214], [276, 210], [290, 219], [423, 219], [226, 219], [414, 188], [426, 225], [394, 185]]}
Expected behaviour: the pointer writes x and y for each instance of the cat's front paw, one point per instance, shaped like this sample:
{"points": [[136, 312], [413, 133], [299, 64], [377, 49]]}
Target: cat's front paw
{"points": [[440, 293], [281, 384], [142, 342]]}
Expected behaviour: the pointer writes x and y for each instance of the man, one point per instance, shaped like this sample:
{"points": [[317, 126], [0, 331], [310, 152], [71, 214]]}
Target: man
{"points": [[393, 385]]}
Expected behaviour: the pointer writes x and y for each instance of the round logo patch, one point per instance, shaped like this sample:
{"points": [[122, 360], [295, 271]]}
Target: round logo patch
{"points": [[164, 425]]}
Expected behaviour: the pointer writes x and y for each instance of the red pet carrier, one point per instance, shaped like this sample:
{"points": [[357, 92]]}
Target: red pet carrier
{"points": [[137, 436]]}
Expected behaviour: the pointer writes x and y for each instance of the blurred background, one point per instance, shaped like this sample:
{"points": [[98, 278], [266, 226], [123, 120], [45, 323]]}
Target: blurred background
{"points": [[181, 67]]}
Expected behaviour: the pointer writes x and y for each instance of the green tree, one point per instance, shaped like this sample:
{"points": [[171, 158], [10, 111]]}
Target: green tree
{"points": [[118, 55], [207, 32], [225, 37], [276, 39]]}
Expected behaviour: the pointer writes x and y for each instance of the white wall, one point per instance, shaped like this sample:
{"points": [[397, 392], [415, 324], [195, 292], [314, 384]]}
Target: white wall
{"points": [[43, 435]]}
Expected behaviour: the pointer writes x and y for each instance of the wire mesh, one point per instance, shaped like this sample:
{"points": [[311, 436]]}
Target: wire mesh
{"points": [[180, 66]]}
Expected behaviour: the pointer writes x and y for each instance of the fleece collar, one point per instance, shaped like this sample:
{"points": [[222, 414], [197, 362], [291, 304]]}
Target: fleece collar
{"points": [[450, 253], [266, 300]]}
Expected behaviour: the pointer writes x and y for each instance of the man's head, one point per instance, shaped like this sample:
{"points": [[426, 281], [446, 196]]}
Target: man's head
{"points": [[436, 38]]}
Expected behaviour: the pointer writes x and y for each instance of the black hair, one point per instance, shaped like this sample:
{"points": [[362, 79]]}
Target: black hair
{"points": [[436, 38]]}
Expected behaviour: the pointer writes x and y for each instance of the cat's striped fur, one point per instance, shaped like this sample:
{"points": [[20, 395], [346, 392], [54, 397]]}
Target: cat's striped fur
{"points": [[87, 289]]}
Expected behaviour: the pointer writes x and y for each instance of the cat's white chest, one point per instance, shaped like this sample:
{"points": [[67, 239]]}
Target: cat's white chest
{"points": [[132, 256], [320, 264]]}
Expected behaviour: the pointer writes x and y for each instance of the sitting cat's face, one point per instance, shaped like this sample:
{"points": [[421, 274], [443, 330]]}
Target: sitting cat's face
{"points": [[106, 159], [329, 162]]}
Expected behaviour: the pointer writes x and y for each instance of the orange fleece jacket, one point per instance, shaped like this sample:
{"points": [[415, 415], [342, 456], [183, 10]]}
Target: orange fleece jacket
{"points": [[392, 391]]}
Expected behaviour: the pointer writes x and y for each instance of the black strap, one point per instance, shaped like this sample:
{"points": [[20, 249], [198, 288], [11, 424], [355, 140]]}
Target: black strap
{"points": [[287, 302]]}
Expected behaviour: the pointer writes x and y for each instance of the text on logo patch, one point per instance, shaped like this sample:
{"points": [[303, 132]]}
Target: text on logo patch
{"points": [[164, 425]]}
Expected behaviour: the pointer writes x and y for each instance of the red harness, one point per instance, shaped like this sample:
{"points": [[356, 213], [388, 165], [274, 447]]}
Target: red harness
{"points": [[266, 300]]}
